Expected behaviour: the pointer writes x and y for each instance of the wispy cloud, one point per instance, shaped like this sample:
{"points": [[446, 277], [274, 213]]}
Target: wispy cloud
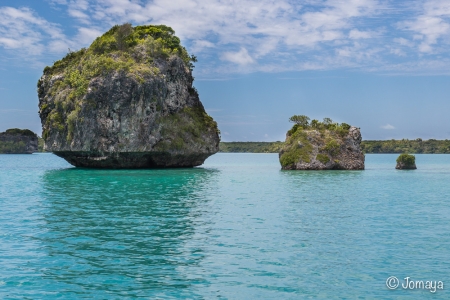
{"points": [[431, 24], [262, 29], [23, 30], [240, 57], [388, 127]]}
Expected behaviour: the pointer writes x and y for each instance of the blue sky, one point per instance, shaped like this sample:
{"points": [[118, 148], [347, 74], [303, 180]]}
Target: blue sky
{"points": [[380, 65]]}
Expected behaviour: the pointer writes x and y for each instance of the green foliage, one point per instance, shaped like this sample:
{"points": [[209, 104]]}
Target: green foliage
{"points": [[297, 148], [40, 144], [406, 146], [291, 157], [17, 131], [55, 120], [345, 126], [341, 131], [300, 120], [294, 129], [406, 159], [120, 35], [72, 58], [77, 82], [323, 158], [10, 147], [201, 119], [159, 39], [327, 121], [120, 41], [184, 127], [178, 143], [71, 122], [251, 147], [389, 146], [332, 147]]}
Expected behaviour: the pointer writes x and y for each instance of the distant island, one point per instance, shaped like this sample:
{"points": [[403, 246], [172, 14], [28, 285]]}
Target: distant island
{"points": [[417, 146], [18, 141]]}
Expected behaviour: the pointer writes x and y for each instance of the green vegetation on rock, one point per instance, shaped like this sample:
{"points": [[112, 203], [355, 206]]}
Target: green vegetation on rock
{"points": [[303, 135], [132, 50], [40, 144], [186, 125], [297, 147], [8, 147], [302, 121], [323, 158], [406, 159], [17, 131]]}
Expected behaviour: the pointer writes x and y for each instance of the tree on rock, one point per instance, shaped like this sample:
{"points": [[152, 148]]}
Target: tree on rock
{"points": [[301, 120]]}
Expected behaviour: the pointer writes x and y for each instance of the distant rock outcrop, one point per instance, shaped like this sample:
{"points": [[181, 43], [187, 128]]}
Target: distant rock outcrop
{"points": [[18, 141], [322, 146], [126, 102], [406, 162]]}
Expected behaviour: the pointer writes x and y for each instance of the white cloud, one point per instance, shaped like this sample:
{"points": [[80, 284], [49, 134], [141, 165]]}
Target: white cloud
{"points": [[200, 45], [397, 52], [281, 29], [430, 25], [24, 31], [388, 127], [264, 35], [86, 36], [241, 57], [403, 42], [356, 34]]}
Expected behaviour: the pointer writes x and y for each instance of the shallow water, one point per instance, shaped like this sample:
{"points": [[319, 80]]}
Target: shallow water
{"points": [[236, 228]]}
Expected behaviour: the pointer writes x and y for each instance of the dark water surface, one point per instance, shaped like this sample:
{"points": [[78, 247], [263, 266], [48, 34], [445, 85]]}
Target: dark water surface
{"points": [[236, 228]]}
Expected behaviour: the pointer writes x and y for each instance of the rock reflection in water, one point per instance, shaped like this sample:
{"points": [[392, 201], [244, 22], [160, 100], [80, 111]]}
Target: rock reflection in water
{"points": [[125, 229]]}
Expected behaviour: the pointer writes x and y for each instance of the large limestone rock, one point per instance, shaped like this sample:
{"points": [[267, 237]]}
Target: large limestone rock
{"points": [[335, 148], [18, 141], [126, 102]]}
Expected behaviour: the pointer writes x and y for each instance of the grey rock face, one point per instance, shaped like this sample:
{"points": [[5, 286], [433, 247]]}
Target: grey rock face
{"points": [[403, 166], [124, 121], [18, 143]]}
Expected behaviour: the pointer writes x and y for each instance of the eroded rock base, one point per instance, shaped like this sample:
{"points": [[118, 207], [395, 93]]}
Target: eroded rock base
{"points": [[132, 160], [402, 166]]}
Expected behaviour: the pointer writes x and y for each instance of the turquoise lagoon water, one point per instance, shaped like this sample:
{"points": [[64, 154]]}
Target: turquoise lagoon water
{"points": [[236, 228]]}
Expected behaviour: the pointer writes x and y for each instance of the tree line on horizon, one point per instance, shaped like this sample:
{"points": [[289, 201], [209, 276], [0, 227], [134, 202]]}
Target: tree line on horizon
{"points": [[417, 146]]}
